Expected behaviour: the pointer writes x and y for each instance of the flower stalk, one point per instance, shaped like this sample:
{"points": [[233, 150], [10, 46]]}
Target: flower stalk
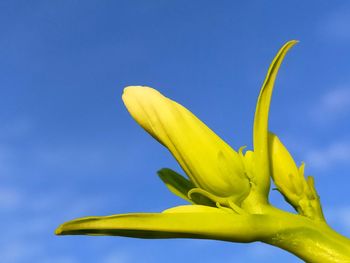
{"points": [[227, 189]]}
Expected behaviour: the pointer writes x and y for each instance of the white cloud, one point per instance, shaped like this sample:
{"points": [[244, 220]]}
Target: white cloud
{"points": [[16, 128], [9, 198], [30, 251], [117, 257], [261, 251], [332, 105], [31, 218], [336, 26], [15, 252], [12, 130], [7, 156], [60, 259], [255, 252], [335, 153], [337, 100], [339, 217]]}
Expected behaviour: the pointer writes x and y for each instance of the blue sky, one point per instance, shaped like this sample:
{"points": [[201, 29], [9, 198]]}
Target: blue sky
{"points": [[68, 147]]}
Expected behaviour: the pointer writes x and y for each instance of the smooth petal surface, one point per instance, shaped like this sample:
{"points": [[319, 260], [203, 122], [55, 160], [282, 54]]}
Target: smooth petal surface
{"points": [[284, 171], [196, 209], [260, 133], [290, 180], [198, 223], [210, 162]]}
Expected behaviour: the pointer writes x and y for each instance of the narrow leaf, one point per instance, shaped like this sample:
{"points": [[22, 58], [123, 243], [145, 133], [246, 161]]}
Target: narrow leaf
{"points": [[180, 186], [176, 183]]}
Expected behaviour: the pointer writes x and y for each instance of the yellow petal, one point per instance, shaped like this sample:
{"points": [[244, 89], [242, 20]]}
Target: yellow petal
{"points": [[210, 162], [290, 181], [285, 172], [260, 136], [195, 209], [249, 162]]}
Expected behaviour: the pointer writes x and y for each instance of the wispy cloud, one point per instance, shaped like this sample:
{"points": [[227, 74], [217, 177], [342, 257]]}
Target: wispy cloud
{"points": [[60, 259], [30, 219], [332, 105], [339, 217], [335, 153], [336, 26], [30, 251], [18, 127], [117, 257], [16, 252], [257, 252], [261, 251], [10, 198]]}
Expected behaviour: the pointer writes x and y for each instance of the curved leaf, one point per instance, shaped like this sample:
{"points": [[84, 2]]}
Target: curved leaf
{"points": [[180, 186]]}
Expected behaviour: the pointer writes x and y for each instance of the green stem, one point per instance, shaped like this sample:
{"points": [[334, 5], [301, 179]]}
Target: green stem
{"points": [[312, 241]]}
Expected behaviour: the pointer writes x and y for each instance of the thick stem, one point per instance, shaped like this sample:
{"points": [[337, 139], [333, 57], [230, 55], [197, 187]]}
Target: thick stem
{"points": [[312, 241]]}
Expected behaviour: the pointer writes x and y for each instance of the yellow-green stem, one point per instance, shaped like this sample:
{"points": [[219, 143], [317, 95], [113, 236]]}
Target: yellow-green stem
{"points": [[312, 241]]}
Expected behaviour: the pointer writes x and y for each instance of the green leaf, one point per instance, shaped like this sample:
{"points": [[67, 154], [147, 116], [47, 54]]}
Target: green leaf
{"points": [[180, 186]]}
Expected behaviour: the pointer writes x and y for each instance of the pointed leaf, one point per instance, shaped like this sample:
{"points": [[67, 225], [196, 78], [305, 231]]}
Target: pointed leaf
{"points": [[180, 186], [176, 183]]}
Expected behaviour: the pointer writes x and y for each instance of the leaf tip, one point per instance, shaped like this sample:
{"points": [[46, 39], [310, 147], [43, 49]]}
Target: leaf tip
{"points": [[59, 231]]}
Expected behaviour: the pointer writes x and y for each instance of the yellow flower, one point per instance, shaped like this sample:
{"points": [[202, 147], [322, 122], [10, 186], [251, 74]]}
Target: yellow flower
{"points": [[291, 182], [285, 173], [220, 179], [228, 189], [210, 163]]}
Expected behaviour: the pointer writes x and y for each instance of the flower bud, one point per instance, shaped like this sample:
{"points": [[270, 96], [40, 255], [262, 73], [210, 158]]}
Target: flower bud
{"points": [[210, 163], [285, 173]]}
